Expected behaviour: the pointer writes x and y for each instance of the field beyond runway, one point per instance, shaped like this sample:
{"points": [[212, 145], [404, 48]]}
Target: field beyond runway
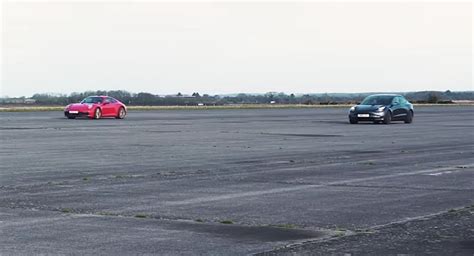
{"points": [[237, 182]]}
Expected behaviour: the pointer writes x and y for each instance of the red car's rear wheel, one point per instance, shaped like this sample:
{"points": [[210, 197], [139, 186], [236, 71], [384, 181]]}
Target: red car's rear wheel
{"points": [[121, 113]]}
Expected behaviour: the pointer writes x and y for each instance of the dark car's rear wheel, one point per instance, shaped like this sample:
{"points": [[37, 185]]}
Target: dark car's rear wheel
{"points": [[409, 117], [121, 113], [97, 113], [387, 118], [353, 120]]}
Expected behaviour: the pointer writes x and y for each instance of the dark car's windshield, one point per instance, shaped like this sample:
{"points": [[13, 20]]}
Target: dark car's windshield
{"points": [[377, 100], [92, 100]]}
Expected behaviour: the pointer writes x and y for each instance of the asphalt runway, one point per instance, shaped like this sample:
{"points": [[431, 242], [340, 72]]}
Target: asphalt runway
{"points": [[223, 182]]}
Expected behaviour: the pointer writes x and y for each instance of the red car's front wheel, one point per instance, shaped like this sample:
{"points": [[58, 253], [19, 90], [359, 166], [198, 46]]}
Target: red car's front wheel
{"points": [[97, 113]]}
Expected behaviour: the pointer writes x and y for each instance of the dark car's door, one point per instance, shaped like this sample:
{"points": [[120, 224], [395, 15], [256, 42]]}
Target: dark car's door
{"points": [[398, 109]]}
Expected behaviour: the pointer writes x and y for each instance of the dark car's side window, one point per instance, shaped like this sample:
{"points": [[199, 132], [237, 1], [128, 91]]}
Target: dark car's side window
{"points": [[396, 101], [403, 100]]}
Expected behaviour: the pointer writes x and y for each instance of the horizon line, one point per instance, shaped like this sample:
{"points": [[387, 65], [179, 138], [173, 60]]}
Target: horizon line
{"points": [[236, 93]]}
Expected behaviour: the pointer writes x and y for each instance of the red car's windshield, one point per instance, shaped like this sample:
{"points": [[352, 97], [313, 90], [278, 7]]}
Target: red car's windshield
{"points": [[92, 100]]}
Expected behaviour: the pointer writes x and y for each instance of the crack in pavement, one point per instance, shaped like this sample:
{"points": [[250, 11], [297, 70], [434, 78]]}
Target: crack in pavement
{"points": [[264, 233]]}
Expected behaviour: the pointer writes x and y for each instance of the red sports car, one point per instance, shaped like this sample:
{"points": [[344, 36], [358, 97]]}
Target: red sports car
{"points": [[96, 107]]}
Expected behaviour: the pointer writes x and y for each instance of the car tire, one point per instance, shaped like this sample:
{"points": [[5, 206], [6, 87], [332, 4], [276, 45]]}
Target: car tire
{"points": [[97, 113], [353, 120], [71, 117], [387, 118], [121, 113], [376, 122], [409, 117]]}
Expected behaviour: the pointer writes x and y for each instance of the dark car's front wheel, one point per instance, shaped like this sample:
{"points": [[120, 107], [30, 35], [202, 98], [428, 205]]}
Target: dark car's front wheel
{"points": [[409, 117], [387, 118], [353, 120]]}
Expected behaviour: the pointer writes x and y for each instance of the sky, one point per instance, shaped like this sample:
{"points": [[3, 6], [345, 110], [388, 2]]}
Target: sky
{"points": [[233, 47]]}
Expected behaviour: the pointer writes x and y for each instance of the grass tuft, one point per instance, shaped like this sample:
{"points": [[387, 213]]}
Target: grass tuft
{"points": [[141, 215], [66, 210]]}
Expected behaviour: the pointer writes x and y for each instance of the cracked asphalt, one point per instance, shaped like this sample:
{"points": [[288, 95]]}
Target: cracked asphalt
{"points": [[236, 182]]}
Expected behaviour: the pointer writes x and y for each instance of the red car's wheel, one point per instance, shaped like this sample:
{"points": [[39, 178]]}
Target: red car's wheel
{"points": [[97, 113], [121, 113]]}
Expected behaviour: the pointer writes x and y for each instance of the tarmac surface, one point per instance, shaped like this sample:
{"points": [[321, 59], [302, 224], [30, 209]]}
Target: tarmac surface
{"points": [[235, 182]]}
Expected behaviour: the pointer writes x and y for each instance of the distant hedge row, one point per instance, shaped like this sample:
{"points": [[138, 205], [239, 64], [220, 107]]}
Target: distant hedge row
{"points": [[148, 99]]}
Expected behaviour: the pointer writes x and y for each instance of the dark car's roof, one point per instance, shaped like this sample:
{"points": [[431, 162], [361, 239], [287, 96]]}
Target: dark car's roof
{"points": [[386, 94]]}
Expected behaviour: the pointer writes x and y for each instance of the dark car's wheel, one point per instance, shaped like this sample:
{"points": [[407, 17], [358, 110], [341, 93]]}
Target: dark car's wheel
{"points": [[409, 117], [387, 118], [97, 113], [121, 113], [353, 120]]}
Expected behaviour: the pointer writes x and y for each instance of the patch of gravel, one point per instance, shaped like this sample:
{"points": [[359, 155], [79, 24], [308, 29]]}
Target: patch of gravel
{"points": [[450, 233]]}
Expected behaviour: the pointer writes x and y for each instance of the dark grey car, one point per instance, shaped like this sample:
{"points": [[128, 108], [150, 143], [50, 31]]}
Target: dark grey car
{"points": [[382, 108]]}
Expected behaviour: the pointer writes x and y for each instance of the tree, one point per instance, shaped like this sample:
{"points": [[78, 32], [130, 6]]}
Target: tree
{"points": [[145, 98], [433, 98]]}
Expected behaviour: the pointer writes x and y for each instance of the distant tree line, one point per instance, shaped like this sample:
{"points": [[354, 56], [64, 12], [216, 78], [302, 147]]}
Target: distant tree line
{"points": [[179, 99]]}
